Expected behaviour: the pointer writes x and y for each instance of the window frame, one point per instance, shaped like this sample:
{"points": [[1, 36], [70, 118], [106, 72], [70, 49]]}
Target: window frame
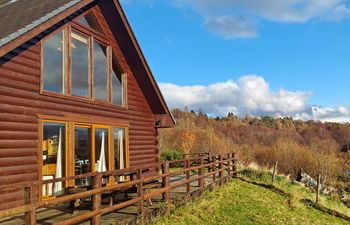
{"points": [[93, 142], [66, 72], [70, 122], [41, 156], [76, 22], [70, 65], [93, 35], [109, 72]]}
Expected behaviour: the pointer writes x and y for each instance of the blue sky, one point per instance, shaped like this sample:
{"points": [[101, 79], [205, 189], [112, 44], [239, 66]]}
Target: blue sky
{"points": [[298, 50]]}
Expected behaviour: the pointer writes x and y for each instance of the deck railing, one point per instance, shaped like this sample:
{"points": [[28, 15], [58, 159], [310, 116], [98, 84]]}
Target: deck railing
{"points": [[195, 169]]}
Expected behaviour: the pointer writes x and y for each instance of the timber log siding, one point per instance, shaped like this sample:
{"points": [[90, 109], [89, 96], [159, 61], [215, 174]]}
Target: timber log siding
{"points": [[21, 103]]}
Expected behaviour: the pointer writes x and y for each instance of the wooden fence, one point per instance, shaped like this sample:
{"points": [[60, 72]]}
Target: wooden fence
{"points": [[194, 169]]}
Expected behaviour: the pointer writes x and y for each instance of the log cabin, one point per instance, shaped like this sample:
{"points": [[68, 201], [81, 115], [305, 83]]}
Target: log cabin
{"points": [[76, 95]]}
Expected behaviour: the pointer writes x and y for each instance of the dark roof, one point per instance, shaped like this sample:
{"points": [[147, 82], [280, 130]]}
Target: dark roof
{"points": [[20, 16]]}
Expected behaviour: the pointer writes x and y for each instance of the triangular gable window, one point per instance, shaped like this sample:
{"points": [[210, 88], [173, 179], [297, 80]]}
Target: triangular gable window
{"points": [[90, 20]]}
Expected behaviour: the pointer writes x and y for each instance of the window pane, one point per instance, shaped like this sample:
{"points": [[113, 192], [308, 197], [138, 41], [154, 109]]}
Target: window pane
{"points": [[82, 157], [117, 85], [54, 157], [101, 150], [117, 90], [54, 63], [90, 20], [100, 72], [120, 153], [80, 65]]}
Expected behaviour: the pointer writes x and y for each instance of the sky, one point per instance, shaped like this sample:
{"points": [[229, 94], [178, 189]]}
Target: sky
{"points": [[262, 58]]}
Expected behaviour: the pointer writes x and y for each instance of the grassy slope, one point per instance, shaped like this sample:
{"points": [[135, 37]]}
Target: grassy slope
{"points": [[242, 203], [296, 190]]}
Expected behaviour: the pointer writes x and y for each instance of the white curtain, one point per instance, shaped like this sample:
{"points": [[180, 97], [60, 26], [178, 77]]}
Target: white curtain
{"points": [[121, 150], [101, 166], [58, 185], [121, 153]]}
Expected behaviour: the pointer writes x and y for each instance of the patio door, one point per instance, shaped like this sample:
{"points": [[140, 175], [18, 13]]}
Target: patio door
{"points": [[91, 151], [83, 157]]}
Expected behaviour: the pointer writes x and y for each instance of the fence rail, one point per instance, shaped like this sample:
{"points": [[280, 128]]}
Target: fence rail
{"points": [[195, 169]]}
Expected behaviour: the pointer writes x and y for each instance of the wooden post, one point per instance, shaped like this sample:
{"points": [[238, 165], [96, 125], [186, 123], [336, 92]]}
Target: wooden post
{"points": [[274, 172], [318, 188], [213, 168], [188, 165], [201, 172], [229, 166], [166, 183], [209, 161], [221, 173], [141, 207], [96, 199], [30, 217], [234, 166]]}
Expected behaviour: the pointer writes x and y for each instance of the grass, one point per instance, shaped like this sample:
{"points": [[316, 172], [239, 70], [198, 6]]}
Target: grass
{"points": [[243, 203], [296, 190]]}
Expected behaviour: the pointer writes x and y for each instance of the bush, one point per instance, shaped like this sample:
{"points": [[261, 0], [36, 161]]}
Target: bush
{"points": [[170, 154], [291, 157]]}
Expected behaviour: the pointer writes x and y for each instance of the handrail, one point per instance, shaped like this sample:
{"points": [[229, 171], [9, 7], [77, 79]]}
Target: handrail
{"points": [[87, 193], [216, 165]]}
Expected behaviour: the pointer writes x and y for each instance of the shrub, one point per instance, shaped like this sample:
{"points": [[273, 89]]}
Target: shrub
{"points": [[170, 155]]}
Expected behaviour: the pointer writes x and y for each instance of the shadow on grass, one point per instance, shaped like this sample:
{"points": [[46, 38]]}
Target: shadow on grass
{"points": [[290, 196]]}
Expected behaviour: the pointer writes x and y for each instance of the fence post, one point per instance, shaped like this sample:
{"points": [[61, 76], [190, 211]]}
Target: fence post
{"points": [[166, 184], [209, 161], [274, 172], [234, 166], [30, 217], [221, 173], [201, 173], [213, 168], [318, 188], [188, 165], [229, 166], [96, 199], [141, 208]]}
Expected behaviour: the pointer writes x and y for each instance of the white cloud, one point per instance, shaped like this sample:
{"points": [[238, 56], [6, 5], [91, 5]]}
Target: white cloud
{"points": [[341, 114], [226, 15], [231, 27], [249, 95]]}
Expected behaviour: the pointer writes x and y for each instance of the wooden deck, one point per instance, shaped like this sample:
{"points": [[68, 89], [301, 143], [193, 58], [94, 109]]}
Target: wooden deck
{"points": [[131, 214]]}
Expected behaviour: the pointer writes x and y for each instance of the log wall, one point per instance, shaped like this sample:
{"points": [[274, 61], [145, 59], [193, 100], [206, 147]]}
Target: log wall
{"points": [[21, 102]]}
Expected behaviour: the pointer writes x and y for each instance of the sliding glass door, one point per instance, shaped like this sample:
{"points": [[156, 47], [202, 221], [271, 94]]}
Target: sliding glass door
{"points": [[83, 153], [101, 150], [72, 149], [54, 157]]}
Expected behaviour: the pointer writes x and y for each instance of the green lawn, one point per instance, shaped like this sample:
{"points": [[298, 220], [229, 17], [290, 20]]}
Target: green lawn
{"points": [[242, 203]]}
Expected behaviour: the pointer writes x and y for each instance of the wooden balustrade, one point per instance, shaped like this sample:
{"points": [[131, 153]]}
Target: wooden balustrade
{"points": [[195, 169]]}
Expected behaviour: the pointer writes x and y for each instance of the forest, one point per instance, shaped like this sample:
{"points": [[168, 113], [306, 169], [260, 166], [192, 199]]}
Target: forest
{"points": [[314, 147]]}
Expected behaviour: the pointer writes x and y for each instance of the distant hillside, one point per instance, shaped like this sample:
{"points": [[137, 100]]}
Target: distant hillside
{"points": [[314, 146]]}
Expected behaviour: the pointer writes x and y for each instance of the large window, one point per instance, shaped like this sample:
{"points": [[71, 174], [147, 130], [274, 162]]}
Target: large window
{"points": [[54, 157], [78, 61], [90, 148], [117, 86], [53, 65], [100, 72], [82, 153], [101, 149], [80, 65], [89, 20], [120, 151]]}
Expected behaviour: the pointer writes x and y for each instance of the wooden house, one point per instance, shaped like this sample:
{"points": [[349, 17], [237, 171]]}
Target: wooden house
{"points": [[76, 95]]}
